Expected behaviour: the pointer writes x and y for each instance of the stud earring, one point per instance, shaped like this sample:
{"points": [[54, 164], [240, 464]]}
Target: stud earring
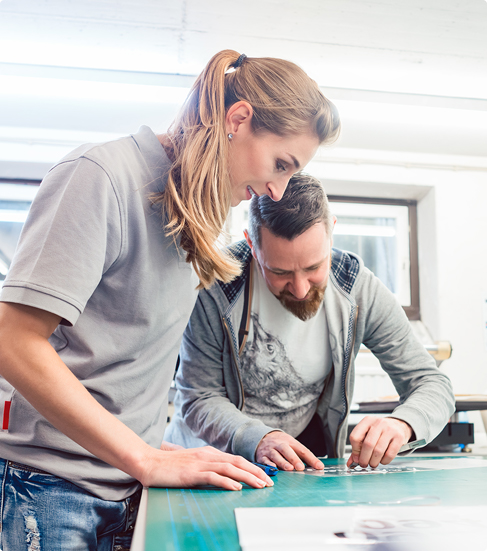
{"points": [[230, 136]]}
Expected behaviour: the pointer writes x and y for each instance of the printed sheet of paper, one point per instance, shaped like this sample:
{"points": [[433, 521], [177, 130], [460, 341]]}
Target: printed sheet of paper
{"points": [[398, 466], [361, 528]]}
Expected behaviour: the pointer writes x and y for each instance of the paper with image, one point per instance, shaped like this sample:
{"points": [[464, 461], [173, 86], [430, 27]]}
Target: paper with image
{"points": [[362, 528]]}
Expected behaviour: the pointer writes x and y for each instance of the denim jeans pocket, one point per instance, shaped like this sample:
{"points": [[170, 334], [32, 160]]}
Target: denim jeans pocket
{"points": [[27, 468], [43, 511]]}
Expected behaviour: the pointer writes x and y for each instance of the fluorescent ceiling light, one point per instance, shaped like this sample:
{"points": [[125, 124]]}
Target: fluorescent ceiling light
{"points": [[410, 114], [3, 266], [7, 215], [16, 192], [44, 145], [33, 153], [91, 90], [54, 136], [364, 230]]}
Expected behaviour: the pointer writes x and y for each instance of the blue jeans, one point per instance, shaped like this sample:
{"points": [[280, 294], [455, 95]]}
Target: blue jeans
{"points": [[41, 512]]}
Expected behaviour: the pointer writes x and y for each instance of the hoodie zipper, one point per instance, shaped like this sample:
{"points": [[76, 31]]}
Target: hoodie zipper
{"points": [[345, 397], [235, 360], [227, 328]]}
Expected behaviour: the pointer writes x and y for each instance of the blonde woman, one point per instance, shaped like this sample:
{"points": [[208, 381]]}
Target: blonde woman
{"points": [[118, 240]]}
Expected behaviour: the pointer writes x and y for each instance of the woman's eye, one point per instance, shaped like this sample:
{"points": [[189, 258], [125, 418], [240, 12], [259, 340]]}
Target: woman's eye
{"points": [[280, 166]]}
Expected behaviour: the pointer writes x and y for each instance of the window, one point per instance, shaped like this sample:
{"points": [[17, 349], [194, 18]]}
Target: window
{"points": [[15, 200], [383, 232]]}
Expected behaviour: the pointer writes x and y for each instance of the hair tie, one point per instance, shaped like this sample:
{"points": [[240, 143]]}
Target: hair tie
{"points": [[239, 61]]}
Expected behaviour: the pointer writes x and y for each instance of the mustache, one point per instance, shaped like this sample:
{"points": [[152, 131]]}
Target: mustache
{"points": [[303, 309]]}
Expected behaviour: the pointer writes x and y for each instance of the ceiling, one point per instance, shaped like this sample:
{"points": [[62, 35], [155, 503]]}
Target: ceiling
{"points": [[409, 78]]}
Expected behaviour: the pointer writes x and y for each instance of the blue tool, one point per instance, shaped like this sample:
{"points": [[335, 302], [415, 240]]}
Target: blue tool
{"points": [[268, 469]]}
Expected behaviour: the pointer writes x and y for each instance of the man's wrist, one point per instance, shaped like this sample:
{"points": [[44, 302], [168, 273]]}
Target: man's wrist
{"points": [[408, 429], [262, 439]]}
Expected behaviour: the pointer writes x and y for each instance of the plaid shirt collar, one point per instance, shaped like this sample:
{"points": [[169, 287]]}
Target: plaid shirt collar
{"points": [[344, 266]]}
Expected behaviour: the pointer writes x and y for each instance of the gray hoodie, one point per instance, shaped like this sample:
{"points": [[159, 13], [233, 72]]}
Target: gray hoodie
{"points": [[359, 309]]}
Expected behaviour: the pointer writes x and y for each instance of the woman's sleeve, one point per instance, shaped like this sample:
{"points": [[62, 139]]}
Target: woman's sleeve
{"points": [[71, 237]]}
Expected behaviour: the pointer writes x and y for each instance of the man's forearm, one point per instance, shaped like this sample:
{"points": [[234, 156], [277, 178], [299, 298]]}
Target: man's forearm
{"points": [[428, 407]]}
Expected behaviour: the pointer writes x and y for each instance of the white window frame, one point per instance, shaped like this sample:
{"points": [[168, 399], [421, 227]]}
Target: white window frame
{"points": [[405, 224]]}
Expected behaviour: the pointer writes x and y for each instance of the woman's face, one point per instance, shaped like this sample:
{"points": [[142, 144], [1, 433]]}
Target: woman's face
{"points": [[263, 163]]}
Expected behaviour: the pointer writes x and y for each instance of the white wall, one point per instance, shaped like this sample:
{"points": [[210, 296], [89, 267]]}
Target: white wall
{"points": [[452, 241], [69, 74], [455, 213]]}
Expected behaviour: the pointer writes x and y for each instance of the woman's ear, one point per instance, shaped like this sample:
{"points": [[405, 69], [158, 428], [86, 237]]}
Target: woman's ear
{"points": [[238, 114]]}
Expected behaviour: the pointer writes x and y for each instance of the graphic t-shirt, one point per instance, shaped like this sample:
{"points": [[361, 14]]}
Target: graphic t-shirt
{"points": [[285, 362]]}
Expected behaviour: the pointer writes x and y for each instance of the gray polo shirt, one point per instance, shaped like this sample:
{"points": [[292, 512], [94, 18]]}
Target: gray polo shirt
{"points": [[93, 251]]}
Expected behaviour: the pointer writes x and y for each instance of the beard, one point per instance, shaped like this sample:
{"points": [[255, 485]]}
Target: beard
{"points": [[303, 309]]}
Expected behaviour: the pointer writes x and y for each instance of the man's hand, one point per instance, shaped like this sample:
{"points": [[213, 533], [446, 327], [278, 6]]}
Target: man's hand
{"points": [[285, 452], [175, 467], [377, 440]]}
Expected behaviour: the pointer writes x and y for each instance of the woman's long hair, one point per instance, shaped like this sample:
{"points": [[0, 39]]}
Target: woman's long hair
{"points": [[197, 197]]}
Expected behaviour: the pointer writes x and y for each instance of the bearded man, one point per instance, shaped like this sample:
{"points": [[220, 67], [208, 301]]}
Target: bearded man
{"points": [[267, 361]]}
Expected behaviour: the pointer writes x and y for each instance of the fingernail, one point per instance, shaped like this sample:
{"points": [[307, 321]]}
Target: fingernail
{"points": [[261, 483], [237, 486], [299, 466]]}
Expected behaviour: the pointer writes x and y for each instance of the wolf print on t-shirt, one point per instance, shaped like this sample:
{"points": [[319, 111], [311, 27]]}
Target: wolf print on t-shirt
{"points": [[274, 390]]}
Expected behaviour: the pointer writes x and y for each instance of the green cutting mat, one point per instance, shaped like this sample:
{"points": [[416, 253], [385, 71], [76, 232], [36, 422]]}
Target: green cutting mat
{"points": [[204, 519]]}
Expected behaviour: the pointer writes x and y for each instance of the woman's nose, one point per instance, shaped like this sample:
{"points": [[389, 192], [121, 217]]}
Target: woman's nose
{"points": [[277, 188]]}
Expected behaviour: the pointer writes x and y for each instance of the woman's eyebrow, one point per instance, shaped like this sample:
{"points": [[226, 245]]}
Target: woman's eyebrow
{"points": [[296, 162]]}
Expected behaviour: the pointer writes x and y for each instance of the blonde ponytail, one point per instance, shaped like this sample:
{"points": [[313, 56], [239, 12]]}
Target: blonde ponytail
{"points": [[197, 197]]}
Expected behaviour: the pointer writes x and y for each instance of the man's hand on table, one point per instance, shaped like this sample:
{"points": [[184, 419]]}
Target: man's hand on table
{"points": [[175, 467], [377, 440], [285, 452]]}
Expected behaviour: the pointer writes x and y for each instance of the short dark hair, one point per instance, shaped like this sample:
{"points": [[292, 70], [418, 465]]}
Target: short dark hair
{"points": [[303, 205]]}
